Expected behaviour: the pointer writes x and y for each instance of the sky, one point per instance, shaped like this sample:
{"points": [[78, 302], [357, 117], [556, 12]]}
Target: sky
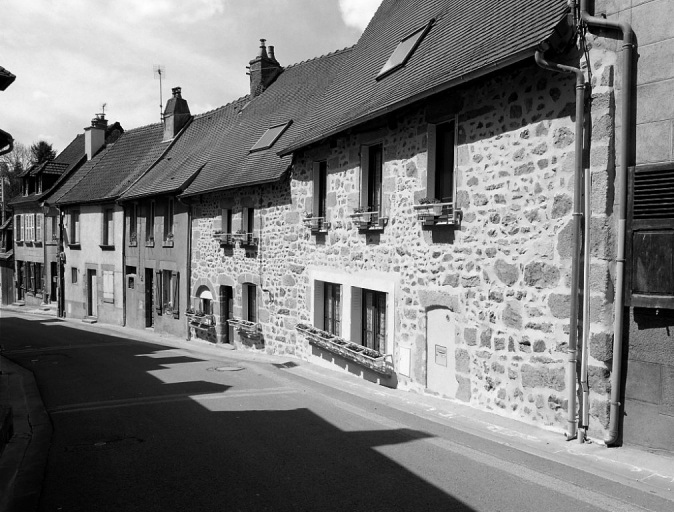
{"points": [[72, 56]]}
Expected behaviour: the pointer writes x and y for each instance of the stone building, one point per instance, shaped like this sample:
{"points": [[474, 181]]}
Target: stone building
{"points": [[241, 207]]}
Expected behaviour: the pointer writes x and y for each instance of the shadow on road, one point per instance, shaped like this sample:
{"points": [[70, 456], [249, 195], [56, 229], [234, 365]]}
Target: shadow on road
{"points": [[138, 428]]}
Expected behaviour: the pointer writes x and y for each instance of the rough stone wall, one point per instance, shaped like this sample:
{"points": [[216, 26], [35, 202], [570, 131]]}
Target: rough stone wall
{"points": [[506, 273]]}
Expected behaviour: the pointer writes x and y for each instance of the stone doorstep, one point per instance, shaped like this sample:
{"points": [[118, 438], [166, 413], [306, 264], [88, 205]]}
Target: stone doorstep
{"points": [[90, 319]]}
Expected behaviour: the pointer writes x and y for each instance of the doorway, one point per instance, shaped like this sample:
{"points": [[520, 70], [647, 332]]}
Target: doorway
{"points": [[226, 298], [92, 293], [53, 273], [440, 358], [149, 303]]}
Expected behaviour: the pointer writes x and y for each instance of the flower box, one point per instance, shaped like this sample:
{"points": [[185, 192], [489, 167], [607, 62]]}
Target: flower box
{"points": [[250, 240], [364, 356], [368, 220], [246, 328], [437, 213], [224, 238], [316, 224]]}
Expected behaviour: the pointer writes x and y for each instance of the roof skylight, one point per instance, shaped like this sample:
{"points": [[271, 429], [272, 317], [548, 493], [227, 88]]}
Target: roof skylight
{"points": [[403, 51], [270, 137]]}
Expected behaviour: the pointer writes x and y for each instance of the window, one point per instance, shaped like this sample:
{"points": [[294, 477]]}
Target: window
{"points": [[74, 228], [108, 286], [226, 221], [18, 228], [372, 168], [650, 237], [403, 51], [30, 275], [108, 227], [270, 136], [168, 220], [249, 302], [332, 309], [442, 147], [170, 289], [133, 224], [29, 232], [205, 298], [320, 192], [374, 320], [38, 227], [131, 276], [51, 229], [248, 220], [149, 223], [73, 275]]}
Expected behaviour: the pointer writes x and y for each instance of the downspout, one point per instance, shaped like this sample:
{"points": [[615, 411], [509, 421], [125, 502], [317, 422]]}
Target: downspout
{"points": [[585, 397], [572, 350], [123, 265], [624, 158]]}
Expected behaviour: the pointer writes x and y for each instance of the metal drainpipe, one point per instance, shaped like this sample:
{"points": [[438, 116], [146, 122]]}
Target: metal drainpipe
{"points": [[584, 404], [625, 134], [572, 350]]}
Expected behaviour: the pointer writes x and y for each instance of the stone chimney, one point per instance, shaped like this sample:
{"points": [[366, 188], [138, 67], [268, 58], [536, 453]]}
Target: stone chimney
{"points": [[176, 114], [263, 70], [94, 135]]}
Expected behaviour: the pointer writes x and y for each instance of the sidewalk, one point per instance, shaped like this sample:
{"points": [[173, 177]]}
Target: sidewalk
{"points": [[25, 456]]}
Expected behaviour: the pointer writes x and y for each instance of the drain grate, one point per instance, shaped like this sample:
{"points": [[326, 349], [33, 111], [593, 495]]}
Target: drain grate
{"points": [[226, 369], [108, 444], [289, 364]]}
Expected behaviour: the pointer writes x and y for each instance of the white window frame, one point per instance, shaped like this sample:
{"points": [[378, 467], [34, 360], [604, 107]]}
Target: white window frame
{"points": [[351, 291], [74, 227], [108, 235], [38, 227]]}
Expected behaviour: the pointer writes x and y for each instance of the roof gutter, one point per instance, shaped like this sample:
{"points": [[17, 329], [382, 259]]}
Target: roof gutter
{"points": [[627, 77], [462, 79]]}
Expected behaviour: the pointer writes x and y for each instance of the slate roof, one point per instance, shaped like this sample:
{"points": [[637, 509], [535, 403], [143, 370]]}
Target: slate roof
{"points": [[467, 38], [106, 176], [189, 153], [228, 162]]}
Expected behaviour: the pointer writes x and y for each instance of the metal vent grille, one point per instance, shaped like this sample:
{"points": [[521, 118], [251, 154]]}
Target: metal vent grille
{"points": [[654, 194]]}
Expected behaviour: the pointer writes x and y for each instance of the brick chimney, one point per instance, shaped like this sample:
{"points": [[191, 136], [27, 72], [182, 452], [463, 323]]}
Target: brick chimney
{"points": [[94, 135], [176, 114], [263, 70]]}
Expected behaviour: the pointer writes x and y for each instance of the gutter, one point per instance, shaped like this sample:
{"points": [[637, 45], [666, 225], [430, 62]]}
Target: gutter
{"points": [[572, 351], [628, 46]]}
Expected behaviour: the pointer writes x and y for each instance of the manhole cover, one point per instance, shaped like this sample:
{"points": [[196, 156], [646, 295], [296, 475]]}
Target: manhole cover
{"points": [[226, 369]]}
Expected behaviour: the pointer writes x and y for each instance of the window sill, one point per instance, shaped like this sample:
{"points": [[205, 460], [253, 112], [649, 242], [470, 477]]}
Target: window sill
{"points": [[75, 246], [167, 243], [133, 244], [149, 243], [106, 247]]}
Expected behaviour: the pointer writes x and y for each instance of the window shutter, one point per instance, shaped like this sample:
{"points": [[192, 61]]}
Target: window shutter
{"points": [[244, 301], [38, 228], [650, 236], [157, 293], [176, 294], [356, 314], [319, 304], [364, 173]]}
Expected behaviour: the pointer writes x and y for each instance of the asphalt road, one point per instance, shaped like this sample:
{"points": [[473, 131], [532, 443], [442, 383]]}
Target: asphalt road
{"points": [[139, 426]]}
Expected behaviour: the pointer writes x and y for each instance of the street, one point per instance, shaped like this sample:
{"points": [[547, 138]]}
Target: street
{"points": [[140, 426]]}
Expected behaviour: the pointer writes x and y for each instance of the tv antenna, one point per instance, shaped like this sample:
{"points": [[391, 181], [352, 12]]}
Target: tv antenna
{"points": [[159, 72], [103, 109]]}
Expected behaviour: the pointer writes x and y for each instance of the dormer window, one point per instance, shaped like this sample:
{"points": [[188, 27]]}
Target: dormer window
{"points": [[270, 137], [404, 51]]}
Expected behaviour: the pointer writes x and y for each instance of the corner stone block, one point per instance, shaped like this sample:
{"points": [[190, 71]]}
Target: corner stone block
{"points": [[560, 305], [462, 360], [463, 393], [541, 275], [601, 346]]}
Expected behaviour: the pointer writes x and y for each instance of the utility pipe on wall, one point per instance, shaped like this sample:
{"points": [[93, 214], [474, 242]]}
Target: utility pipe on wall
{"points": [[572, 350], [624, 159]]}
